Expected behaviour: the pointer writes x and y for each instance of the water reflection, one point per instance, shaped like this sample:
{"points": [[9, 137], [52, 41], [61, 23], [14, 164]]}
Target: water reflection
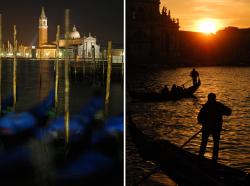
{"points": [[34, 80], [177, 121]]}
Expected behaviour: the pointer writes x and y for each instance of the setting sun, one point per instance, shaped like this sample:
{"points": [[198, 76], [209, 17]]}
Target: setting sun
{"points": [[207, 26]]}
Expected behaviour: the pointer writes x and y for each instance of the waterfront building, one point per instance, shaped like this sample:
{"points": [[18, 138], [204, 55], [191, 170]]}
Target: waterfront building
{"points": [[43, 29], [44, 50], [89, 47], [151, 34], [117, 55], [79, 47]]}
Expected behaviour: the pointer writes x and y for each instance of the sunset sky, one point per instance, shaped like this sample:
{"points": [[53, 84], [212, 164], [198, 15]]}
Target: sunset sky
{"points": [[223, 12]]}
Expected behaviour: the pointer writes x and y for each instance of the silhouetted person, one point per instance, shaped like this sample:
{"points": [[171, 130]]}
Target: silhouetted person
{"points": [[174, 90], [165, 90], [210, 116], [180, 90], [194, 74]]}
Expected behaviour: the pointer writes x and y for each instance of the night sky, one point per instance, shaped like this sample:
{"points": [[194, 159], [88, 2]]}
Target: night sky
{"points": [[103, 18]]}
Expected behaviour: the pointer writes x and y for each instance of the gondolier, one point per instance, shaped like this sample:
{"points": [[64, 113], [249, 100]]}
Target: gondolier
{"points": [[184, 167], [194, 74], [210, 116]]}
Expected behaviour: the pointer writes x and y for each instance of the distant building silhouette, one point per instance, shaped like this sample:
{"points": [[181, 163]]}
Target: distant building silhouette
{"points": [[229, 46], [151, 34]]}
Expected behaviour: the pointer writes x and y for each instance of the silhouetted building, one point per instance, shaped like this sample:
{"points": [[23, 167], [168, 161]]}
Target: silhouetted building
{"points": [[150, 34], [230, 46]]}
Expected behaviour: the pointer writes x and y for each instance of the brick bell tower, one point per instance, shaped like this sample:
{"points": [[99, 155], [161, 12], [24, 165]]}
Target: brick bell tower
{"points": [[43, 29]]}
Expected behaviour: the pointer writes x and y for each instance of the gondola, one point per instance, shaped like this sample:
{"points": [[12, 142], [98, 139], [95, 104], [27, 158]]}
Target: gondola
{"points": [[101, 162], [5, 104], [16, 128], [159, 96], [89, 161], [185, 168], [17, 162]]}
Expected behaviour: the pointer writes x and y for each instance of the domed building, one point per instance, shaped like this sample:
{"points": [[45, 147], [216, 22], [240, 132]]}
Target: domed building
{"points": [[79, 47], [74, 34]]}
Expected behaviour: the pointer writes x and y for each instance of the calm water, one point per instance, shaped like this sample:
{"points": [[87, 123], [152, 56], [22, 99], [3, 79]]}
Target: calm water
{"points": [[35, 79], [177, 121]]}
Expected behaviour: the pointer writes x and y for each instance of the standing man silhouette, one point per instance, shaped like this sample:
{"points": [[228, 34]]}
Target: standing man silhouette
{"points": [[194, 74], [210, 116]]}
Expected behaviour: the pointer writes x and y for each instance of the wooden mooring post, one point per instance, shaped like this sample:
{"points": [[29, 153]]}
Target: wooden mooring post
{"points": [[103, 66], [83, 58], [1, 45], [66, 75], [57, 67], [109, 69], [14, 68]]}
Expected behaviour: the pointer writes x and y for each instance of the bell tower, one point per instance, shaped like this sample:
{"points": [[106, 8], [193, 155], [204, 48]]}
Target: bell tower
{"points": [[43, 28]]}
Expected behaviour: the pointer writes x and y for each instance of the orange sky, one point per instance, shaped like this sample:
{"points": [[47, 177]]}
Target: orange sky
{"points": [[223, 12]]}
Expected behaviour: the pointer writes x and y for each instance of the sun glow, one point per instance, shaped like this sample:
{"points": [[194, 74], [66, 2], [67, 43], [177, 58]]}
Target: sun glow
{"points": [[207, 26]]}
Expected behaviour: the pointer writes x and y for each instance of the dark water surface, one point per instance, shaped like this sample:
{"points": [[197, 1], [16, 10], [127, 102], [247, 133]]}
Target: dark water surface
{"points": [[177, 121], [34, 81]]}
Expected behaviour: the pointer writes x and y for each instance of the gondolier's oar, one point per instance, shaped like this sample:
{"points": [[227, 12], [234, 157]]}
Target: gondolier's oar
{"points": [[157, 168], [186, 82], [191, 138]]}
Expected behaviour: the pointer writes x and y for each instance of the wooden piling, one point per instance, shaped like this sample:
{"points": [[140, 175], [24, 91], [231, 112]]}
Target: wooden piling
{"points": [[1, 44], [93, 63], [103, 66], [109, 68], [122, 68], [93, 57], [14, 68], [83, 57], [57, 67], [66, 74]]}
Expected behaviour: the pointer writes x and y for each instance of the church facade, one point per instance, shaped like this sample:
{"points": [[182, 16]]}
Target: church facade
{"points": [[79, 47], [150, 34]]}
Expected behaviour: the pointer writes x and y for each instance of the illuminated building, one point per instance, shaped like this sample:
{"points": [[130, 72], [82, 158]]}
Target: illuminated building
{"points": [[79, 47], [43, 29], [88, 44]]}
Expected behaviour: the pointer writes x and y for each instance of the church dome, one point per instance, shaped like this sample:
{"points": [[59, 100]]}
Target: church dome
{"points": [[74, 34]]}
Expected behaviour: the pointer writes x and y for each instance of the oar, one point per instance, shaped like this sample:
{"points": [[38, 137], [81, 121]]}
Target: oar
{"points": [[155, 170], [191, 138], [186, 82]]}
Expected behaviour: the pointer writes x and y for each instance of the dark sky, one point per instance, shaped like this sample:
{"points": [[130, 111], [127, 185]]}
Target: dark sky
{"points": [[103, 18]]}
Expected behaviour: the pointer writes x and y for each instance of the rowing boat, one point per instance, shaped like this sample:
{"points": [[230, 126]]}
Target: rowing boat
{"points": [[159, 96], [185, 168]]}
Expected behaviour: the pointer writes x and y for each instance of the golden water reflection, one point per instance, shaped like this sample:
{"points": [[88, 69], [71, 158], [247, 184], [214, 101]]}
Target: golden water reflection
{"points": [[177, 121]]}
